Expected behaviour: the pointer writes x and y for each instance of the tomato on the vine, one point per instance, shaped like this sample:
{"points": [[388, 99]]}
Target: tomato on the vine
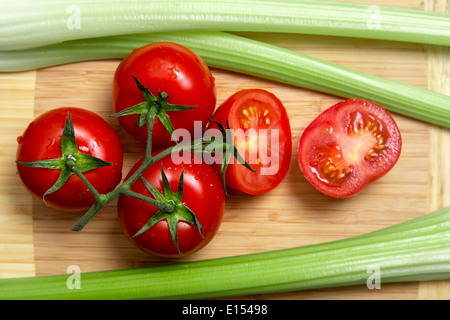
{"points": [[348, 146], [202, 194], [170, 68], [94, 137], [262, 135]]}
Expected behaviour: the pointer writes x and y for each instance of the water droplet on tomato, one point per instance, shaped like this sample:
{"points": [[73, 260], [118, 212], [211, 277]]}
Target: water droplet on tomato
{"points": [[83, 149], [94, 145], [19, 139], [51, 145]]}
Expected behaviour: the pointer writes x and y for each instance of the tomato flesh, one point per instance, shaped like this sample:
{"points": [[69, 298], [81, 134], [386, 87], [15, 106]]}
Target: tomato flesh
{"points": [[348, 146], [262, 135]]}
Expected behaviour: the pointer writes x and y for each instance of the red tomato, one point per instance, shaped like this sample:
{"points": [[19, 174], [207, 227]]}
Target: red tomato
{"points": [[171, 68], [203, 193], [348, 146], [42, 140], [262, 135]]}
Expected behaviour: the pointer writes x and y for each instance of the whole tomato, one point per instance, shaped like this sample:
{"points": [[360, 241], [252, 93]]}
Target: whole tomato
{"points": [[170, 68], [202, 194], [42, 141]]}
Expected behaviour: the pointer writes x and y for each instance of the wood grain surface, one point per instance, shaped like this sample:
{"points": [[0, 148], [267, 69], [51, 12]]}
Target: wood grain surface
{"points": [[36, 240]]}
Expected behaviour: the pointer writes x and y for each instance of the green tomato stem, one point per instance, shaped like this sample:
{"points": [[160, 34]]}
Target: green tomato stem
{"points": [[99, 204], [148, 149], [74, 168], [125, 187], [166, 207]]}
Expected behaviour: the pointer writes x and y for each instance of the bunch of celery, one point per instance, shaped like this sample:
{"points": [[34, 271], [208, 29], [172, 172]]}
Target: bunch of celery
{"points": [[240, 54], [414, 250]]}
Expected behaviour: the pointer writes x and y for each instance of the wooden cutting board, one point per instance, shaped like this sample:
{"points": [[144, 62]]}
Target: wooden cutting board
{"points": [[36, 240]]}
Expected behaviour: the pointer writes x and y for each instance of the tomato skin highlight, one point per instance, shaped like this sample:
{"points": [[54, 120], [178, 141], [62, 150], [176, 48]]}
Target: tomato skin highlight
{"points": [[42, 140], [262, 111], [203, 193], [171, 68], [348, 146]]}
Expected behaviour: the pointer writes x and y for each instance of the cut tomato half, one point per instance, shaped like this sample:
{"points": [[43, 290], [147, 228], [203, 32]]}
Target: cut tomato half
{"points": [[262, 135], [348, 146]]}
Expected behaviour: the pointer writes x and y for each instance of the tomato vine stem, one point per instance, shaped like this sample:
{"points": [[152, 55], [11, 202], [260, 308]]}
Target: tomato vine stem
{"points": [[124, 188], [74, 168], [148, 111], [203, 144], [166, 207]]}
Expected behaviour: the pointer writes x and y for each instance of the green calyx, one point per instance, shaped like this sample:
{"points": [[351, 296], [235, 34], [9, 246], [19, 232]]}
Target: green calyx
{"points": [[224, 144], [153, 106], [177, 210], [72, 160]]}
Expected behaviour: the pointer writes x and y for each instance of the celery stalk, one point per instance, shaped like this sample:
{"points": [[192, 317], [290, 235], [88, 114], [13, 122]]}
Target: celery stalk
{"points": [[240, 54], [411, 251], [29, 23]]}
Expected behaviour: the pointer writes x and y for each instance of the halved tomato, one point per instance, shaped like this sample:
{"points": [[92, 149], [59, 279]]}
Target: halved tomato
{"points": [[262, 135], [348, 146]]}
